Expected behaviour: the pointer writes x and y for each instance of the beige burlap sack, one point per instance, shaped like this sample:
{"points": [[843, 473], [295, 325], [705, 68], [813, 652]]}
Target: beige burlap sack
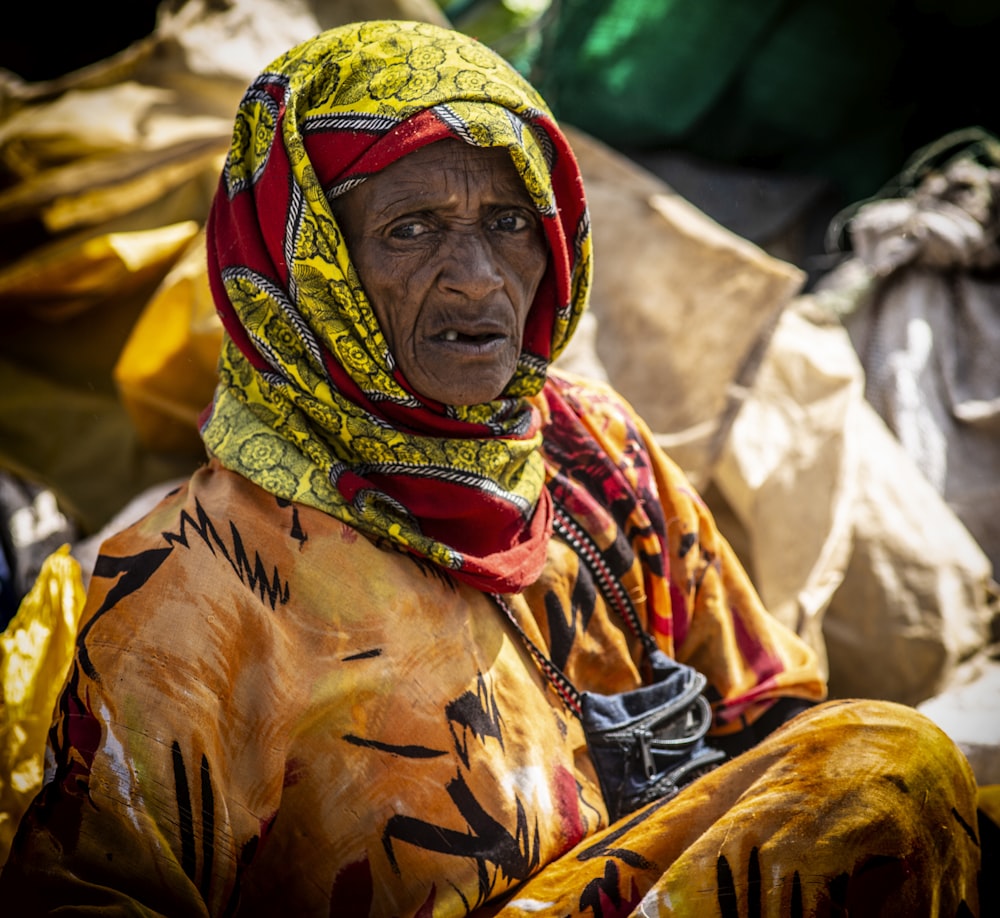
{"points": [[915, 601], [788, 470], [846, 540], [680, 304]]}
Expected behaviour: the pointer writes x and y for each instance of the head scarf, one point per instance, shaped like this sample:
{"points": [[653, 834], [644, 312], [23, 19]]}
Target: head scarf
{"points": [[310, 404]]}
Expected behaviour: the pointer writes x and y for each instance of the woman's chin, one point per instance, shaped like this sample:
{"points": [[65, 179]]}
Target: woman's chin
{"points": [[464, 394], [467, 384]]}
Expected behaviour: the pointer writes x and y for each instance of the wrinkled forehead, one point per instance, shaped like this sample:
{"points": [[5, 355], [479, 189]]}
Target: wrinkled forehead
{"points": [[445, 174], [494, 133]]}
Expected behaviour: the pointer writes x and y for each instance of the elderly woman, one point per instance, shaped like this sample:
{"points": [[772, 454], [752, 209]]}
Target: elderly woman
{"points": [[382, 654]]}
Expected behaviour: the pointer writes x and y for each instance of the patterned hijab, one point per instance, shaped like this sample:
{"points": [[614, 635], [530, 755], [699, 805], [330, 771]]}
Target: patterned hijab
{"points": [[310, 404]]}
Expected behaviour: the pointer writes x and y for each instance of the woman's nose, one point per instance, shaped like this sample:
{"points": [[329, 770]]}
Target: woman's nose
{"points": [[469, 265]]}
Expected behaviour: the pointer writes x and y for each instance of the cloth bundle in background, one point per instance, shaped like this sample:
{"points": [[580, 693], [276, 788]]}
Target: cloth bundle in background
{"points": [[847, 541], [31, 527], [921, 299]]}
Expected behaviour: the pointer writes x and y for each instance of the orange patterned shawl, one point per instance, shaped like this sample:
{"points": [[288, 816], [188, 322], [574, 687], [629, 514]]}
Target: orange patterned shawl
{"points": [[269, 715]]}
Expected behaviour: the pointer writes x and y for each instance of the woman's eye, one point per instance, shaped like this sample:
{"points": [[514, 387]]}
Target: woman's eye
{"points": [[408, 229], [512, 222]]}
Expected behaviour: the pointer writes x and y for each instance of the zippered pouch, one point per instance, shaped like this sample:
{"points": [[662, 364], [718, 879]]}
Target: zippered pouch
{"points": [[647, 743]]}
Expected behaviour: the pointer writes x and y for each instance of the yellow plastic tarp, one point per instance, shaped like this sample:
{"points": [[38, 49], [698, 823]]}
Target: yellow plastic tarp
{"points": [[166, 371], [36, 650]]}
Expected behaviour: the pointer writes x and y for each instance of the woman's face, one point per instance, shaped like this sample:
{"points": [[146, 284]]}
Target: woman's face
{"points": [[450, 252]]}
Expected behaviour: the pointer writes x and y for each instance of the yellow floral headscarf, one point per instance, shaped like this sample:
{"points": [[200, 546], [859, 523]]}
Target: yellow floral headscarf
{"points": [[310, 404]]}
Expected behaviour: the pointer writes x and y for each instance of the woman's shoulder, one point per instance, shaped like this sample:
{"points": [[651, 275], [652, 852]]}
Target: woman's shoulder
{"points": [[223, 543], [585, 414], [588, 395], [212, 500], [218, 543]]}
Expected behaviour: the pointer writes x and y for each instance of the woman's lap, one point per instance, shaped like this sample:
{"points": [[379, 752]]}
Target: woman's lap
{"points": [[859, 805]]}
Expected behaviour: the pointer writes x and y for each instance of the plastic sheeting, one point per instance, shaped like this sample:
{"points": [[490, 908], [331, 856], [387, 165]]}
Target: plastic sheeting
{"points": [[35, 653]]}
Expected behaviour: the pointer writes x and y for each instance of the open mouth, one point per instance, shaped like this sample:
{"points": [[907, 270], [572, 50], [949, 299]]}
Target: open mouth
{"points": [[453, 336]]}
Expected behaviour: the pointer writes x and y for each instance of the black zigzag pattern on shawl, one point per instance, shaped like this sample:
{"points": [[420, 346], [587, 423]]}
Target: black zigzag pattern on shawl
{"points": [[185, 815], [270, 587], [583, 462], [133, 571], [472, 712], [409, 751], [606, 847], [74, 737], [476, 713], [608, 567], [603, 891], [866, 890], [496, 849], [296, 531], [563, 627]]}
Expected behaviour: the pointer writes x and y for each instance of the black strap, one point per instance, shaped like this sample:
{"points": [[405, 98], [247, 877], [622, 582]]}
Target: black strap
{"points": [[564, 688], [615, 595]]}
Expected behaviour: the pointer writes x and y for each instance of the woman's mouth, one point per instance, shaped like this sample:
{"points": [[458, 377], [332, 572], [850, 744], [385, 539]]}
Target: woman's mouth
{"points": [[453, 336]]}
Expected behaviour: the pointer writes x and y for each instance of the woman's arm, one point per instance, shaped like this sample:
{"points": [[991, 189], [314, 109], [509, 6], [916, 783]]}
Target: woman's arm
{"points": [[151, 803], [759, 672], [696, 597]]}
